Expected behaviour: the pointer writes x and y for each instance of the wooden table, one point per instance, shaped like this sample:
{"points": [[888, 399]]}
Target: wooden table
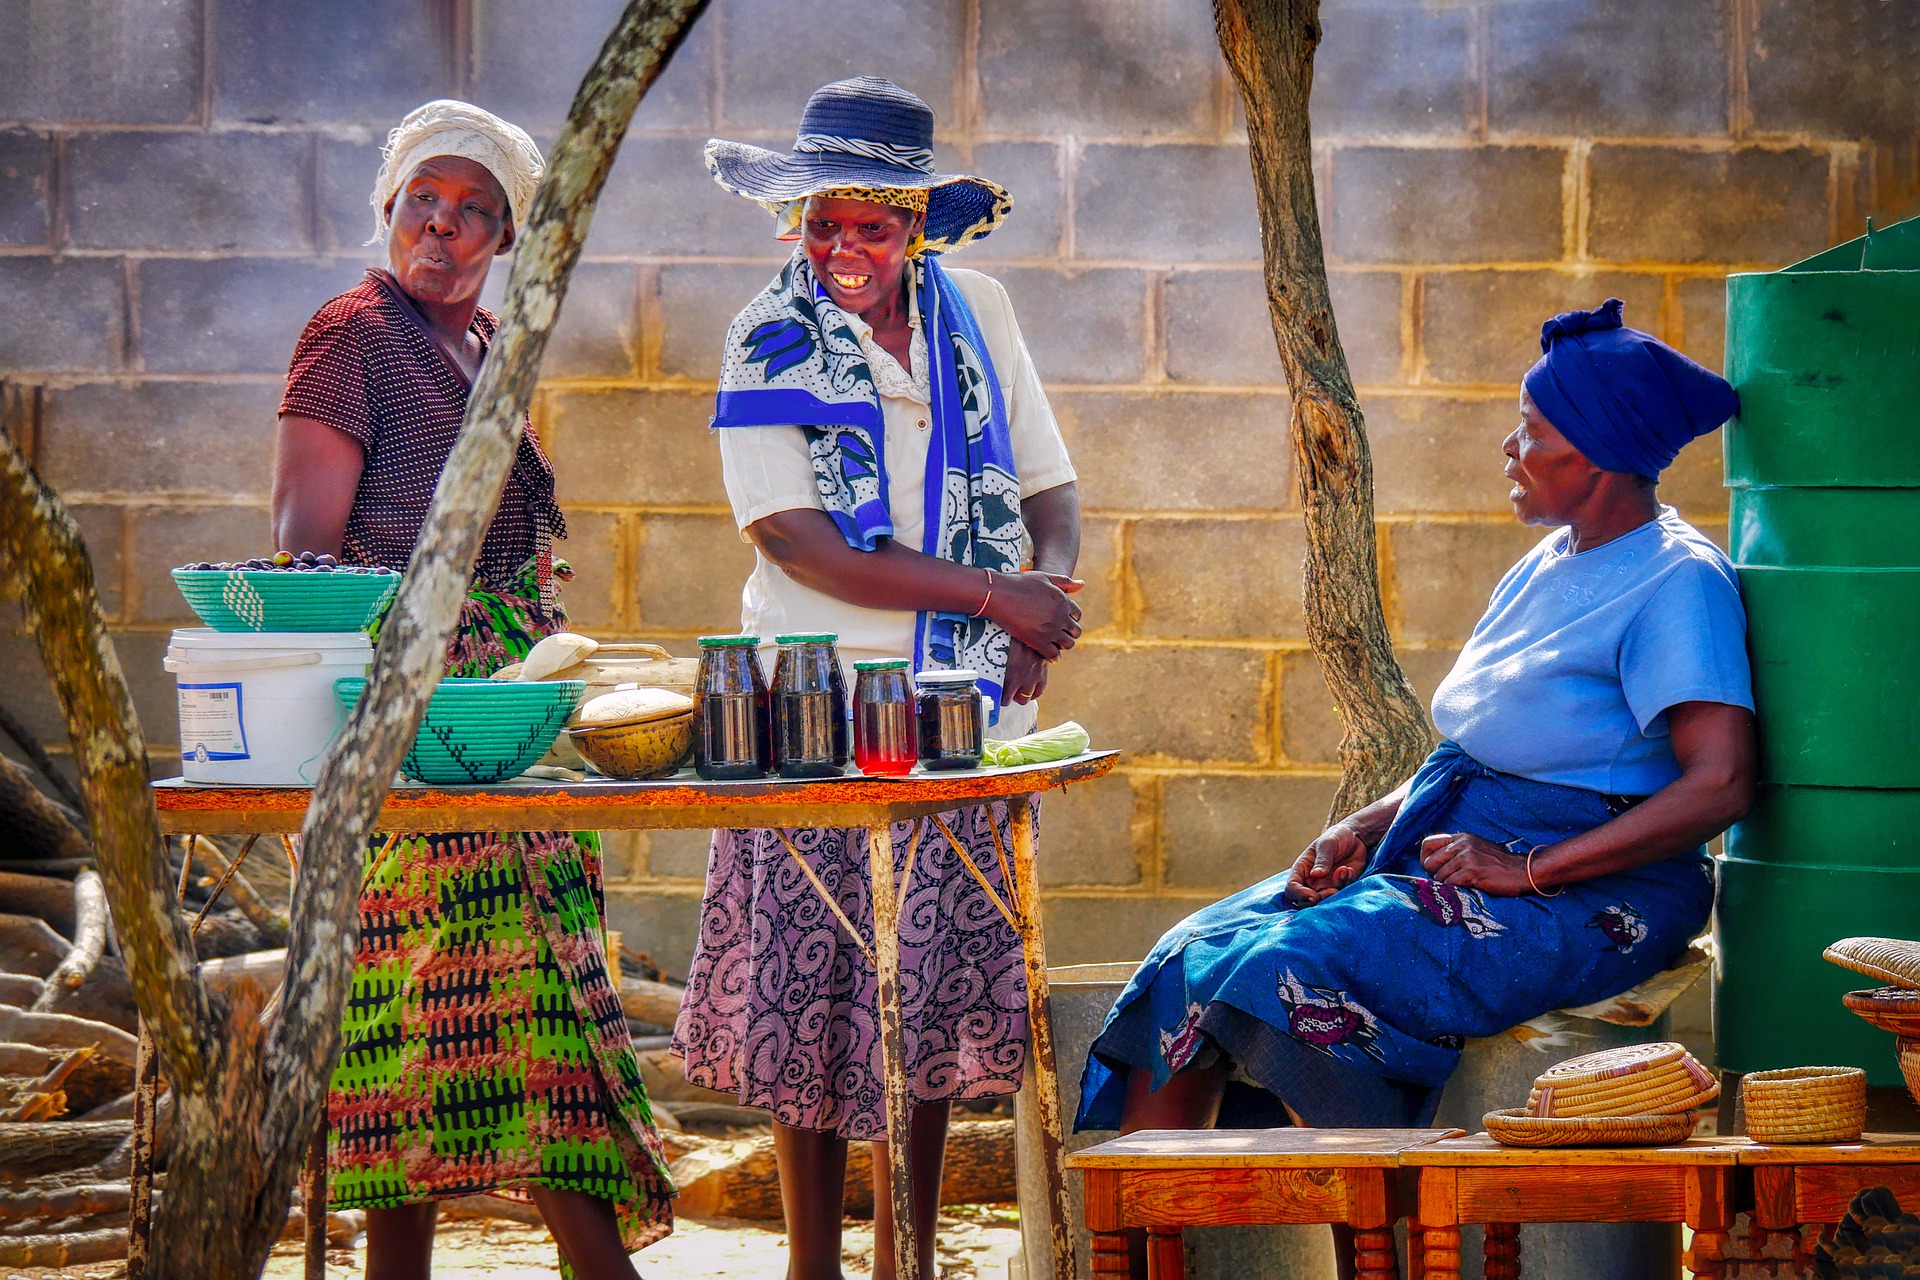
{"points": [[1796, 1185], [1164, 1180], [1479, 1181], [684, 801]]}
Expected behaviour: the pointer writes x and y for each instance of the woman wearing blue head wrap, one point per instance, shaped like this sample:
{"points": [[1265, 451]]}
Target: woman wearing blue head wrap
{"points": [[1598, 731]]}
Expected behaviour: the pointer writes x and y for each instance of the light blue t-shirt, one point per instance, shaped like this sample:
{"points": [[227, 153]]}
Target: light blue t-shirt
{"points": [[1570, 671]]}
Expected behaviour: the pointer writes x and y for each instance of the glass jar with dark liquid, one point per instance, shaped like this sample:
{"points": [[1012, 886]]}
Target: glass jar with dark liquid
{"points": [[884, 740], [952, 718], [732, 737], [809, 707]]}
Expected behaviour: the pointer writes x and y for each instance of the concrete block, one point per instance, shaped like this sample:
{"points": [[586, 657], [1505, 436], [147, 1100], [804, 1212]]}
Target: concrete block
{"points": [[1478, 204], [1484, 326], [1084, 325], [188, 190], [30, 694], [232, 315], [1219, 332], [1145, 203], [1696, 482], [103, 529], [1703, 320], [136, 62], [1219, 579], [1226, 831], [1166, 702], [623, 856], [697, 301], [765, 85], [689, 571], [1100, 67], [1034, 174], [600, 596], [348, 167], [634, 447], [1835, 71], [1637, 67], [1662, 204], [659, 199], [678, 855], [69, 315], [1088, 929], [1386, 71], [1102, 569], [156, 701], [661, 920], [599, 331], [1180, 451], [296, 63], [1310, 726], [1443, 574], [1087, 834], [529, 57], [1432, 454], [164, 538], [189, 438], [25, 183]]}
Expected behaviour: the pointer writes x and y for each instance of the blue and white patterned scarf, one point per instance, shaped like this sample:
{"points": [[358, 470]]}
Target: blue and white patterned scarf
{"points": [[793, 358]]}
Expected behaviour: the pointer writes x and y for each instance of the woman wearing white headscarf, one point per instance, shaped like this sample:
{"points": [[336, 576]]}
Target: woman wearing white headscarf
{"points": [[484, 1047]]}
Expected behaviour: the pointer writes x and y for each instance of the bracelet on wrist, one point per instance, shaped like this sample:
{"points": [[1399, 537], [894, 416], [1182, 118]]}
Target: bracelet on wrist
{"points": [[989, 596], [1535, 884]]}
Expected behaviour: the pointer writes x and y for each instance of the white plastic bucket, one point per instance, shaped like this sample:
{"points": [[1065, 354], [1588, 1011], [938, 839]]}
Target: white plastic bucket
{"points": [[257, 707]]}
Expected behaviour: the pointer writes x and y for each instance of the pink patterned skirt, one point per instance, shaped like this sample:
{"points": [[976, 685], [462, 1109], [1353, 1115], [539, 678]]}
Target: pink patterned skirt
{"points": [[780, 1004]]}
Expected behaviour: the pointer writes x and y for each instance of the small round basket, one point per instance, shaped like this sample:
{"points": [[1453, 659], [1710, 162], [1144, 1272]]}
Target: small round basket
{"points": [[1513, 1127], [1806, 1104], [1895, 1009], [254, 600], [480, 731], [1894, 961], [1632, 1080], [1907, 1050]]}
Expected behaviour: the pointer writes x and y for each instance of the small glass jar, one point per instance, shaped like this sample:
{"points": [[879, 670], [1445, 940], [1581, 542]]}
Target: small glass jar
{"points": [[952, 718], [884, 741], [732, 737], [809, 707]]}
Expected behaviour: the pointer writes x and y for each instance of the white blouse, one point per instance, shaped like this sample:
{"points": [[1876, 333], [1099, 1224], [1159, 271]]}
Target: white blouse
{"points": [[768, 469]]}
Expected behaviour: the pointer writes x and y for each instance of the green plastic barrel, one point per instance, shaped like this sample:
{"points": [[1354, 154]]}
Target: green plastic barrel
{"points": [[1824, 467]]}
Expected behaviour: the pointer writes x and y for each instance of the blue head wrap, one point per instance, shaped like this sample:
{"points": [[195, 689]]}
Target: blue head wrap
{"points": [[1625, 399]]}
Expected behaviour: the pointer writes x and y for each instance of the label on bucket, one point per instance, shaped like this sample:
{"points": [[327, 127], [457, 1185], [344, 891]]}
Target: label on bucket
{"points": [[210, 724]]}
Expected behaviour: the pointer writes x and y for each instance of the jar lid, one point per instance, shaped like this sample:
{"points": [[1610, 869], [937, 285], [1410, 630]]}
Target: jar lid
{"points": [[633, 704], [950, 679], [881, 664], [807, 637], [729, 642]]}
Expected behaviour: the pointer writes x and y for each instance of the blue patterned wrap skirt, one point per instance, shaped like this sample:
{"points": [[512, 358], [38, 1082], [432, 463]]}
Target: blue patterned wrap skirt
{"points": [[1353, 1011]]}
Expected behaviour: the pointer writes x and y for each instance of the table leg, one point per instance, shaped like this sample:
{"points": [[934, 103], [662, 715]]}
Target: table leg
{"points": [[1374, 1256], [1106, 1227], [1710, 1214], [313, 1187], [1501, 1252], [1046, 1078], [893, 1050], [1773, 1211], [1440, 1224], [1416, 1250], [1166, 1254]]}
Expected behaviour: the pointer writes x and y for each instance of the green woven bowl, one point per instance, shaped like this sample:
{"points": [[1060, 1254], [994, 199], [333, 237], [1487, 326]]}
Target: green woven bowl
{"points": [[480, 731], [255, 600]]}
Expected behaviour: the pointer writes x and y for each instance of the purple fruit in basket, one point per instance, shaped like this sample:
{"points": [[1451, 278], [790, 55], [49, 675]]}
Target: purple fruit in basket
{"points": [[305, 557], [325, 561], [323, 568]]}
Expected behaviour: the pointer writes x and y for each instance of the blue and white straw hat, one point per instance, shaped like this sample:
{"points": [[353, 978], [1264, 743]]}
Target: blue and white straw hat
{"points": [[864, 132]]}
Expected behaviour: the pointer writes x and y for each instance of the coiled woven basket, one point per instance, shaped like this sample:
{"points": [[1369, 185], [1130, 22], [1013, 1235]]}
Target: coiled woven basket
{"points": [[1805, 1104]]}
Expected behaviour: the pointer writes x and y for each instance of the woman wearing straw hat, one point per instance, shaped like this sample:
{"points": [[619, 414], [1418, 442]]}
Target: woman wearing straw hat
{"points": [[484, 1047], [889, 452]]}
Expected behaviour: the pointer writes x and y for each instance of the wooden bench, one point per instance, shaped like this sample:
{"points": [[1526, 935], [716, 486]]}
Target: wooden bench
{"points": [[1476, 1180], [1165, 1180], [1794, 1186]]}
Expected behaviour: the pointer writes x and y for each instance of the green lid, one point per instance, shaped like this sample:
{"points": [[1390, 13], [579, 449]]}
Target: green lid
{"points": [[807, 637], [729, 642], [881, 664]]}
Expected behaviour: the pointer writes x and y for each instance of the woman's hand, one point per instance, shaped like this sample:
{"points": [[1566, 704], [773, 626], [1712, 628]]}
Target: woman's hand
{"points": [[1026, 674], [1328, 865], [1035, 609], [1469, 862]]}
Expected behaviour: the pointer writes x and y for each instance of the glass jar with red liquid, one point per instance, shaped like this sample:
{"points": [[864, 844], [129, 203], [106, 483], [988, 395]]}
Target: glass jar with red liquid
{"points": [[885, 741], [809, 706], [732, 737]]}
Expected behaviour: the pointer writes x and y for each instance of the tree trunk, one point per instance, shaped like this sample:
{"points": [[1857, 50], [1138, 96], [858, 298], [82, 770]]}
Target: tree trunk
{"points": [[1269, 46]]}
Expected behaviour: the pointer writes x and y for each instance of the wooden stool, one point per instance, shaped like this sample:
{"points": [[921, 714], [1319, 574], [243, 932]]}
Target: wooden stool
{"points": [[1796, 1185], [1166, 1179], [1477, 1180]]}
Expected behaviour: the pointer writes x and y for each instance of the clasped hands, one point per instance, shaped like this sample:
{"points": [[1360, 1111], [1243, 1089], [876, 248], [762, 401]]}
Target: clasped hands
{"points": [[1043, 621], [1336, 859]]}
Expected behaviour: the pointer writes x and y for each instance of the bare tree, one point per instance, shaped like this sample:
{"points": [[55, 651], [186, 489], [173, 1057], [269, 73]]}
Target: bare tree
{"points": [[249, 1096], [1269, 45]]}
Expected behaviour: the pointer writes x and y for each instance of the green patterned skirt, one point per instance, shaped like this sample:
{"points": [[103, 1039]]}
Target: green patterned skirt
{"points": [[484, 1047]]}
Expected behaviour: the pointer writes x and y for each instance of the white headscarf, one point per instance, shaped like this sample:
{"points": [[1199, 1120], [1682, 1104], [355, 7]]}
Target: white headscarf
{"points": [[449, 127]]}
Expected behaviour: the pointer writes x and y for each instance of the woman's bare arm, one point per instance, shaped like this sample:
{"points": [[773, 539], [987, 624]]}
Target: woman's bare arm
{"points": [[316, 470]]}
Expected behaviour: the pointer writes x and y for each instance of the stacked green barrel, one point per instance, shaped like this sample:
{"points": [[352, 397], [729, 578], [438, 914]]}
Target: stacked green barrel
{"points": [[1824, 467]]}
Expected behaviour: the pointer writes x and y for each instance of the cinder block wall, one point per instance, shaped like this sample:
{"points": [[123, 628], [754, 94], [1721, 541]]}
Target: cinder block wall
{"points": [[182, 182]]}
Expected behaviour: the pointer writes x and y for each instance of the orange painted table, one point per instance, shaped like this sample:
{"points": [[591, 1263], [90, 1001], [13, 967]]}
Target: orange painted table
{"points": [[1796, 1185], [686, 802], [1476, 1180], [1165, 1180]]}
